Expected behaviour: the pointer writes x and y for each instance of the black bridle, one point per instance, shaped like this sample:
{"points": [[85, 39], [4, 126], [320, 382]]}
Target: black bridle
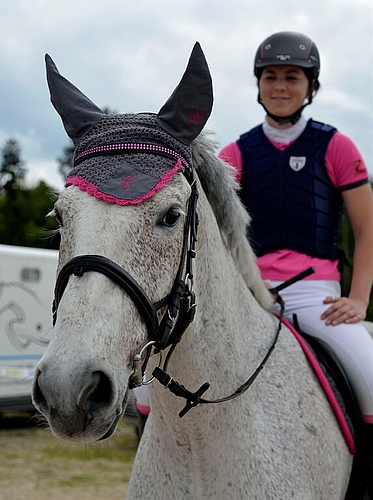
{"points": [[180, 303], [180, 307]]}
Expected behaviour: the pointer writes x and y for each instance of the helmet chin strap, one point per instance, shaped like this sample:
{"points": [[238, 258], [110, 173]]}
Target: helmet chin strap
{"points": [[281, 120]]}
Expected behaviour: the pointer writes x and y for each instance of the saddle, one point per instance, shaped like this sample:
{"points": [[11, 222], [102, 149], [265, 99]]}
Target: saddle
{"points": [[338, 389]]}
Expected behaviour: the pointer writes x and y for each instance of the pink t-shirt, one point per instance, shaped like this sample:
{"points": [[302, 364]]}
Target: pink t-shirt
{"points": [[346, 168]]}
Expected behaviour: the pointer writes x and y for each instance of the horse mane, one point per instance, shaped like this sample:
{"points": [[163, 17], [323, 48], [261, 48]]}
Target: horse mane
{"points": [[220, 186]]}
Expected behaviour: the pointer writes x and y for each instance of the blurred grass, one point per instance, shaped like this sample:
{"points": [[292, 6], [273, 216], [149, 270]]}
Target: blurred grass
{"points": [[37, 466]]}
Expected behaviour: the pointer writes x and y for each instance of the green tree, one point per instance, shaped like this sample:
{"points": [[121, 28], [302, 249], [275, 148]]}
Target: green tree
{"points": [[27, 223], [39, 229], [12, 174], [23, 210], [12, 171]]}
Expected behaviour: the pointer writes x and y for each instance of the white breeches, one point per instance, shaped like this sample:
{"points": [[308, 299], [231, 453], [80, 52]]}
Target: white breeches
{"points": [[351, 343]]}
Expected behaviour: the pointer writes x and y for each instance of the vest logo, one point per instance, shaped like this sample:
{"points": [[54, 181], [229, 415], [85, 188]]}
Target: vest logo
{"points": [[297, 162]]}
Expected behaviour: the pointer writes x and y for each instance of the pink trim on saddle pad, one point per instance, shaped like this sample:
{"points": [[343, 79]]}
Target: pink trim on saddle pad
{"points": [[326, 387]]}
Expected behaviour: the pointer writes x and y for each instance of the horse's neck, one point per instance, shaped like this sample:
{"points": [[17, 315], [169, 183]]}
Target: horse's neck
{"points": [[230, 333], [229, 322]]}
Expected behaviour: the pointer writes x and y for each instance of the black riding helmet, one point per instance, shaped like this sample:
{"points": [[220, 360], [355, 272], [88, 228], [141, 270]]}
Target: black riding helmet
{"points": [[289, 48]]}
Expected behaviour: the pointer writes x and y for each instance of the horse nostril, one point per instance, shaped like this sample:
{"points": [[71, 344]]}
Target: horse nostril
{"points": [[38, 397], [97, 394]]}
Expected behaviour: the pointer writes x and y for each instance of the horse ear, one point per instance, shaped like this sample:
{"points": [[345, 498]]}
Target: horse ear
{"points": [[79, 114], [187, 110]]}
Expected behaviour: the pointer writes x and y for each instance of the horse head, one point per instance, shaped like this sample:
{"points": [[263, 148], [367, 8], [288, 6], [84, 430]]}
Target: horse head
{"points": [[112, 209]]}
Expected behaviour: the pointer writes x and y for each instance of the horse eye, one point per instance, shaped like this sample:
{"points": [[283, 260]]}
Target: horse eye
{"points": [[171, 217]]}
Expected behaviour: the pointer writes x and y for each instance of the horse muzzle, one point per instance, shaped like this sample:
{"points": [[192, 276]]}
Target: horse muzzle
{"points": [[83, 407]]}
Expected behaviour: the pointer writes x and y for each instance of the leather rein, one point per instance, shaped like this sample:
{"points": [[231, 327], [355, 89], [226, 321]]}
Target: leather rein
{"points": [[180, 307]]}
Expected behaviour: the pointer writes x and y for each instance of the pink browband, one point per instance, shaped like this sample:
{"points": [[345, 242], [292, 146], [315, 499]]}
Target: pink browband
{"points": [[130, 148], [126, 183]]}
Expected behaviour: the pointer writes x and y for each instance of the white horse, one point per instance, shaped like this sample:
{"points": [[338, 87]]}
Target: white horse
{"points": [[279, 439]]}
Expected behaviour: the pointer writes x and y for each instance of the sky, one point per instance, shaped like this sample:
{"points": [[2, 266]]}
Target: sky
{"points": [[129, 55]]}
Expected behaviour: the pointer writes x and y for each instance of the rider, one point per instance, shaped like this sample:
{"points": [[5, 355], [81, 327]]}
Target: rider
{"points": [[295, 176]]}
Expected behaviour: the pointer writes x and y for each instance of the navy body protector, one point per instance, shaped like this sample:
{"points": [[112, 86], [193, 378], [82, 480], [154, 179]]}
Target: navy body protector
{"points": [[289, 195]]}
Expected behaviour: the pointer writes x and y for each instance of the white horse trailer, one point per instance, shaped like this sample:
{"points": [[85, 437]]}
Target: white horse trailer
{"points": [[27, 277]]}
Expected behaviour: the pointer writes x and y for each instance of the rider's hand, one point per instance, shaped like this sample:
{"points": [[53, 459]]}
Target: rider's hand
{"points": [[344, 310]]}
